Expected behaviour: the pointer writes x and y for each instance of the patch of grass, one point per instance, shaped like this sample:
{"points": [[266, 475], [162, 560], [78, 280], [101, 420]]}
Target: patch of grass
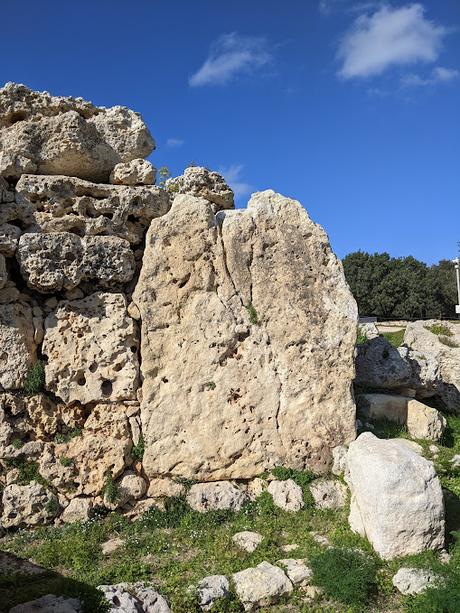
{"points": [[17, 443], [442, 599], [384, 428], [445, 340], [68, 436], [28, 471], [395, 338], [210, 385], [252, 313], [439, 329], [138, 449], [53, 507], [346, 576], [35, 380], [66, 461]]}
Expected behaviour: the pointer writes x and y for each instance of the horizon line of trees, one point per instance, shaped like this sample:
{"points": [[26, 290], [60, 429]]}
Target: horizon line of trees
{"points": [[401, 288]]}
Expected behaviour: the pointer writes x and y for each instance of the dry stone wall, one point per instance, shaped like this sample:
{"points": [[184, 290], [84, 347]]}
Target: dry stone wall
{"points": [[151, 333]]}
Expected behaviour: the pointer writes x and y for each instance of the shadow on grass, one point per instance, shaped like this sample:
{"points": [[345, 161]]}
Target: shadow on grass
{"points": [[22, 581]]}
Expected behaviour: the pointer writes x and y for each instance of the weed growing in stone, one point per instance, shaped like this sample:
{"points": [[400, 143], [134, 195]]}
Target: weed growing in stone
{"points": [[35, 380], [439, 329]]}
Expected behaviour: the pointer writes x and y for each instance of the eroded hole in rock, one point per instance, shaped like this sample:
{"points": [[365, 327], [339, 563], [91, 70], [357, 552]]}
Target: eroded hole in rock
{"points": [[106, 387], [93, 367], [3, 360], [81, 380]]}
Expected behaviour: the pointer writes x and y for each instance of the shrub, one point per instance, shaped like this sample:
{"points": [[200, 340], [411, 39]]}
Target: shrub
{"points": [[65, 438], [35, 380], [52, 507], [253, 318], [111, 489], [210, 385], [138, 449], [66, 461], [345, 575], [361, 337], [17, 443], [439, 329], [163, 174]]}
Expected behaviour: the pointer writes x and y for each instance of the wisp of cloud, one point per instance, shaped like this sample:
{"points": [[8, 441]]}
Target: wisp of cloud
{"points": [[230, 55]]}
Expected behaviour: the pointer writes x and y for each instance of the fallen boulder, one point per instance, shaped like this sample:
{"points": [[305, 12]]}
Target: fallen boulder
{"points": [[397, 501]]}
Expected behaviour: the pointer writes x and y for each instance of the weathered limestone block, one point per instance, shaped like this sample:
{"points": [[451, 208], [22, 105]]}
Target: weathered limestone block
{"points": [[261, 586], [78, 509], [17, 346], [217, 496], [28, 505], [433, 348], [287, 495], [210, 589], [45, 134], [397, 501], [43, 414], [247, 540], [203, 183], [103, 447], [6, 193], [68, 204], [382, 366], [61, 260], [297, 571], [3, 272], [49, 604], [136, 172], [9, 237], [410, 581], [422, 421], [328, 493], [134, 598], [254, 383], [91, 346]]}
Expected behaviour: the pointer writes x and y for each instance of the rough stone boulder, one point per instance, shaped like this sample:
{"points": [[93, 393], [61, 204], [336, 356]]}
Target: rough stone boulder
{"points": [[443, 349], [248, 331], [397, 501], [17, 345], [203, 183], [381, 366], [27, 505], [68, 204], [61, 261], [422, 421], [45, 134], [136, 172], [261, 586], [91, 349], [217, 496], [410, 581], [328, 493], [49, 604], [103, 447]]}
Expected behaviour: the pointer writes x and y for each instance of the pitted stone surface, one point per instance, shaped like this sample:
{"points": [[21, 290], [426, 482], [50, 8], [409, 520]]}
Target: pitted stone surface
{"points": [[61, 261], [136, 172], [221, 347], [69, 204], [45, 134], [26, 505], [91, 349], [17, 345], [203, 183]]}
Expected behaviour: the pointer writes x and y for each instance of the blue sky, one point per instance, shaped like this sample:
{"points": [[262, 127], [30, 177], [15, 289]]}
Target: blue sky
{"points": [[351, 107]]}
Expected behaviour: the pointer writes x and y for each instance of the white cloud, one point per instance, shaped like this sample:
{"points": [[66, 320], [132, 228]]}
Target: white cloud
{"points": [[232, 174], [389, 37], [230, 55], [174, 142], [438, 75], [329, 7]]}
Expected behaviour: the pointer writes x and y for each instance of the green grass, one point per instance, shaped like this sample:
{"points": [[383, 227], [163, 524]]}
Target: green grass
{"points": [[67, 436], [111, 489], [356, 586], [35, 380], [178, 547], [395, 338], [439, 329], [27, 471]]}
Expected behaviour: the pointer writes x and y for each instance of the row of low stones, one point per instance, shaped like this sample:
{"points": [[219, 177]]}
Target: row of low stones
{"points": [[396, 497], [256, 587]]}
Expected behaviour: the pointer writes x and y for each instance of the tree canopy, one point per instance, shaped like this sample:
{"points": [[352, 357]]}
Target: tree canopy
{"points": [[401, 288]]}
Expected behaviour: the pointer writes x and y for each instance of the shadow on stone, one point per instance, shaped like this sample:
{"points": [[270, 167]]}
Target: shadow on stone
{"points": [[22, 581]]}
